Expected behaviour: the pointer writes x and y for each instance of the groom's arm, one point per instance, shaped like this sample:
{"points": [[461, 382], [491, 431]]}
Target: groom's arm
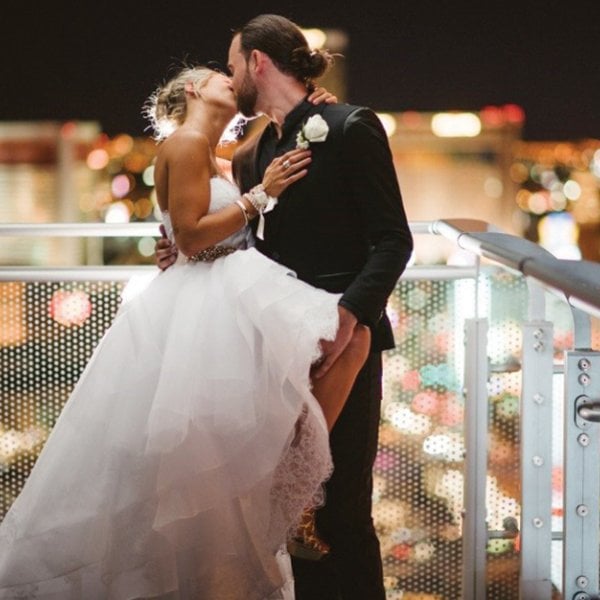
{"points": [[375, 193]]}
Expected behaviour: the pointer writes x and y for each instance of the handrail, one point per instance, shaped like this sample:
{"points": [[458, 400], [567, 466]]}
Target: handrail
{"points": [[82, 273], [141, 229], [124, 273], [579, 281]]}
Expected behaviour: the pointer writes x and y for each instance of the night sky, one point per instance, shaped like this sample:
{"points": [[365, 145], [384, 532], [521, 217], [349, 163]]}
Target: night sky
{"points": [[67, 60]]}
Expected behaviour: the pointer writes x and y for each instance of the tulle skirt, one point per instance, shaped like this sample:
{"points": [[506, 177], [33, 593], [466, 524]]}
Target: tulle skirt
{"points": [[188, 448]]}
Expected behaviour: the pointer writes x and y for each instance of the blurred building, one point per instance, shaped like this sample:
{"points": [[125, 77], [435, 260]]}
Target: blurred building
{"points": [[71, 173], [43, 176], [559, 193], [450, 165], [456, 165]]}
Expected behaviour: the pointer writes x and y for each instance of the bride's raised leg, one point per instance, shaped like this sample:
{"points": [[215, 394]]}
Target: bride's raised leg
{"points": [[331, 391], [333, 388]]}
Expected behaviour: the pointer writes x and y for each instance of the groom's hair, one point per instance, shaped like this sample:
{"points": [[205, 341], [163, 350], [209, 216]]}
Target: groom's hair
{"points": [[284, 43]]}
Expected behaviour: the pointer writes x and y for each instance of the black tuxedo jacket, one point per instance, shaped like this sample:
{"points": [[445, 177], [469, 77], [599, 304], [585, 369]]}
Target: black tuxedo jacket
{"points": [[342, 227]]}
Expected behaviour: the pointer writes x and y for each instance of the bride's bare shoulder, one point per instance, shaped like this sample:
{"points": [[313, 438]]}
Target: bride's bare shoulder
{"points": [[182, 141], [185, 134]]}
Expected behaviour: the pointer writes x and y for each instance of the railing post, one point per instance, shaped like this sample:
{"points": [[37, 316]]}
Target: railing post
{"points": [[536, 450], [475, 534], [581, 465]]}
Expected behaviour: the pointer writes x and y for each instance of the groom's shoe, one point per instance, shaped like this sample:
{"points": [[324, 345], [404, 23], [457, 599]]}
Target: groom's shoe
{"points": [[307, 544]]}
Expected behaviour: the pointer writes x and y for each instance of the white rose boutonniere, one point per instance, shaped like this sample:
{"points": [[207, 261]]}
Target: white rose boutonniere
{"points": [[314, 130]]}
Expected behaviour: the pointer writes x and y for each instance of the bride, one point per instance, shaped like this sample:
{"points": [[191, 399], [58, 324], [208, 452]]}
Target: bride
{"points": [[195, 439]]}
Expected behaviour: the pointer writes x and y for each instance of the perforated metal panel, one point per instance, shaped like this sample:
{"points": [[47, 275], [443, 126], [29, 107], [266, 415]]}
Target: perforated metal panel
{"points": [[419, 475], [47, 333], [505, 297], [419, 469], [49, 330]]}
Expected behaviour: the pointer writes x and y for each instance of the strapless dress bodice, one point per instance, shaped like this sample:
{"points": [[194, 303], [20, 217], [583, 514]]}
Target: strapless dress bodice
{"points": [[222, 193]]}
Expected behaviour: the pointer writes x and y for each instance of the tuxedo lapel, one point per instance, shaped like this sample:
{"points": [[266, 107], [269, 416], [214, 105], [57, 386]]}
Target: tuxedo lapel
{"points": [[291, 126]]}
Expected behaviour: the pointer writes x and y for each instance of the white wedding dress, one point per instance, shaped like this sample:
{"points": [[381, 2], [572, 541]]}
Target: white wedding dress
{"points": [[188, 448]]}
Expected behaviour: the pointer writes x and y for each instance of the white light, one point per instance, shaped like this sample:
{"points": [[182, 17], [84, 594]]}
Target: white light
{"points": [[558, 200], [117, 213], [146, 246], [493, 187], [448, 446], [405, 420], [456, 125], [567, 252], [316, 38], [388, 122], [148, 176], [572, 190], [538, 203]]}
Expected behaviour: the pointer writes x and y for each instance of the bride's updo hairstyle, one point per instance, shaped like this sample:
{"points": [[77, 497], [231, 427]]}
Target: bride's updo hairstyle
{"points": [[284, 43], [166, 108]]}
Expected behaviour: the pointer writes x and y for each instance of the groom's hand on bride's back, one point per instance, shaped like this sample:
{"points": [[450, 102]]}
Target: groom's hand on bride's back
{"points": [[165, 252]]}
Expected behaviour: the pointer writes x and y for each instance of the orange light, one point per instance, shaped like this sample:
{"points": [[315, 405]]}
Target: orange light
{"points": [[97, 159], [491, 116], [513, 113]]}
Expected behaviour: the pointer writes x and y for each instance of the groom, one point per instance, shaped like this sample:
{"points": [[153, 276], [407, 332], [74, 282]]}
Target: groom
{"points": [[342, 227]]}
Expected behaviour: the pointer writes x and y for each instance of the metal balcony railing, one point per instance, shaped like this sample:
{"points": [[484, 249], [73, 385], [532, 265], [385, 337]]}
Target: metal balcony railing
{"points": [[488, 464]]}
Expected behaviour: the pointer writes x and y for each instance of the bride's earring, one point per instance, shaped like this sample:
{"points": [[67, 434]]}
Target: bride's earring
{"points": [[190, 89]]}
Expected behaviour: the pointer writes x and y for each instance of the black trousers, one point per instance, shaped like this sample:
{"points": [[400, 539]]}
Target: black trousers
{"points": [[353, 569]]}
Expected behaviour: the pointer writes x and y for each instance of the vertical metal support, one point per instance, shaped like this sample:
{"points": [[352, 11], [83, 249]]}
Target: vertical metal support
{"points": [[475, 534], [536, 449], [581, 467], [536, 461]]}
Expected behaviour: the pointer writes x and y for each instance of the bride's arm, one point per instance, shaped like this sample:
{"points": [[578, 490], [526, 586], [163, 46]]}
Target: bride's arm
{"points": [[189, 173]]}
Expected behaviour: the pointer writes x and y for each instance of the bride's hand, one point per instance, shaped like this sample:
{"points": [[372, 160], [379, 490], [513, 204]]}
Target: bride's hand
{"points": [[285, 170], [320, 95]]}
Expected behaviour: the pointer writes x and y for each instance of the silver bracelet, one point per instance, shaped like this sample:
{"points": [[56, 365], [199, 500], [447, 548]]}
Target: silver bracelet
{"points": [[259, 198], [244, 211], [262, 203]]}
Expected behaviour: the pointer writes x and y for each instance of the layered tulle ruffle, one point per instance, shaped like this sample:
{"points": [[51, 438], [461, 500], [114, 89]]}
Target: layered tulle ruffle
{"points": [[187, 450]]}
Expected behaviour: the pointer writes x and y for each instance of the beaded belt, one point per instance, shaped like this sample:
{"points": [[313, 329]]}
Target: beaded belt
{"points": [[211, 253]]}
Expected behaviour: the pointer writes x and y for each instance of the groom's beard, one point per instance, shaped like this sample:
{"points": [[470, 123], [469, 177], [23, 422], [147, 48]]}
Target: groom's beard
{"points": [[247, 96]]}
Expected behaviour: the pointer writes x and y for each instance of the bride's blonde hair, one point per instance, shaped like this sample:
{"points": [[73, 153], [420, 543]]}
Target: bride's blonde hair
{"points": [[166, 107]]}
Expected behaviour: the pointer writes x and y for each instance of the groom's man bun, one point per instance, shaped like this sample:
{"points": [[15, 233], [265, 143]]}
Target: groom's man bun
{"points": [[284, 43]]}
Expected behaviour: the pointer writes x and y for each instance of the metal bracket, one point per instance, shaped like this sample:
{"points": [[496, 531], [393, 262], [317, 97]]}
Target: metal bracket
{"points": [[587, 411]]}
